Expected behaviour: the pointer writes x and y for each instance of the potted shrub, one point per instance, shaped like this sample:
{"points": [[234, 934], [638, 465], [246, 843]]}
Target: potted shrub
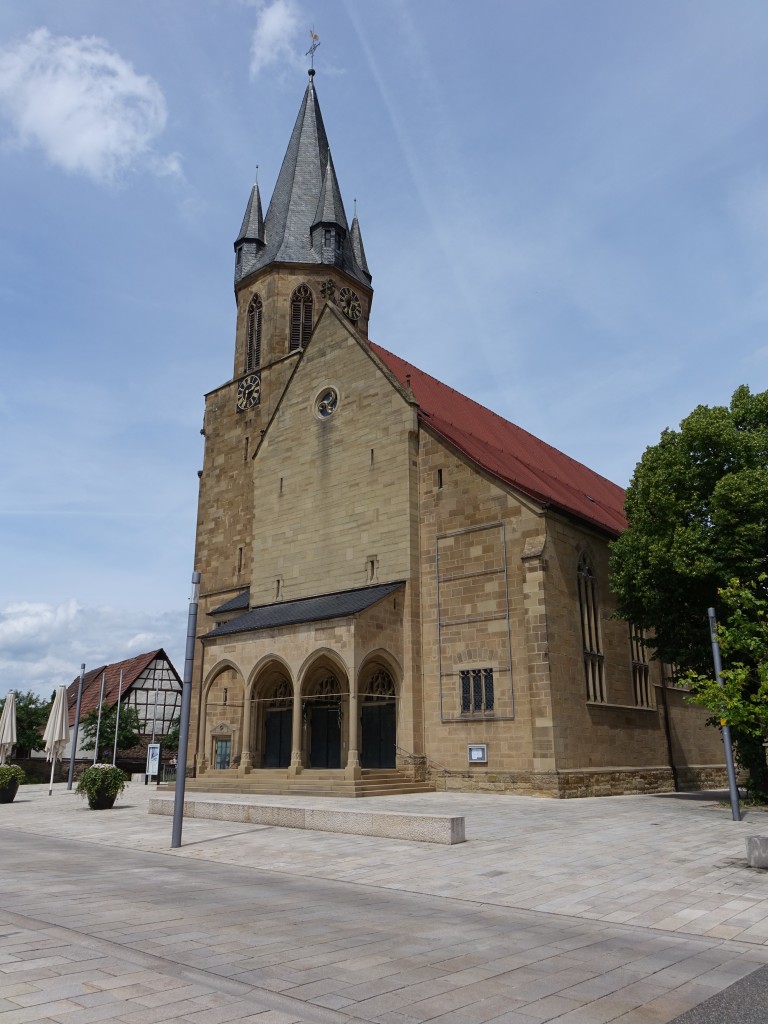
{"points": [[101, 784], [11, 777]]}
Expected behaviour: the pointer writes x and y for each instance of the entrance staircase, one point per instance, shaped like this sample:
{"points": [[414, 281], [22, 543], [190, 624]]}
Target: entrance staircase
{"points": [[311, 782]]}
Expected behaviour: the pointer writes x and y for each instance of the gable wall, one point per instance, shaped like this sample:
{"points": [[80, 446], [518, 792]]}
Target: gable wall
{"points": [[323, 505]]}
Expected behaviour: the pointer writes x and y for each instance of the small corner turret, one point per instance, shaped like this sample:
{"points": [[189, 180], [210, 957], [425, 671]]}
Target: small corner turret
{"points": [[329, 231], [250, 241]]}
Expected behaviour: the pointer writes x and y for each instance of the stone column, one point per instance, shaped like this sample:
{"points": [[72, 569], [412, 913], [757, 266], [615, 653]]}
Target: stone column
{"points": [[296, 765], [245, 753], [352, 771]]}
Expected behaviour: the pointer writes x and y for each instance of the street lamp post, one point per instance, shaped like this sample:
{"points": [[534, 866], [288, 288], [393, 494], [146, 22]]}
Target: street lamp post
{"points": [[186, 704]]}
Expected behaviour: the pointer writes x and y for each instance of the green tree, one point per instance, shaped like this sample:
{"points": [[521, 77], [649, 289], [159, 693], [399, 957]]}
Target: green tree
{"points": [[697, 508], [170, 741], [742, 700], [31, 715], [129, 730]]}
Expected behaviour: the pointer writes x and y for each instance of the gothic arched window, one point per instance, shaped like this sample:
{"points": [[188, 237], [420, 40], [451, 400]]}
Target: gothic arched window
{"points": [[301, 317], [594, 668], [253, 334]]}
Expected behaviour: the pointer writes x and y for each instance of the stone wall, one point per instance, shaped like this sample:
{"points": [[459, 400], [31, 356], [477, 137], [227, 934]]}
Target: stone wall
{"points": [[483, 613], [333, 494]]}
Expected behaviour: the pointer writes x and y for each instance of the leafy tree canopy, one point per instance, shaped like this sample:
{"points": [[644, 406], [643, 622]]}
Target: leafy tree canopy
{"points": [[129, 729], [697, 508], [741, 699], [170, 741], [31, 715]]}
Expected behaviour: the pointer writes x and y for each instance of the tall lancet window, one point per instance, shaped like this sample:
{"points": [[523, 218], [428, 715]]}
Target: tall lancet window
{"points": [[301, 317], [253, 335], [594, 668]]}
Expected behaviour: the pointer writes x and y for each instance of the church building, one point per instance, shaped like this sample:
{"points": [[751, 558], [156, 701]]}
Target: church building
{"points": [[401, 590]]}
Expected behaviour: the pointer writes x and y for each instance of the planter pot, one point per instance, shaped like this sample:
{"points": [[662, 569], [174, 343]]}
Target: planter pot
{"points": [[7, 793], [101, 802]]}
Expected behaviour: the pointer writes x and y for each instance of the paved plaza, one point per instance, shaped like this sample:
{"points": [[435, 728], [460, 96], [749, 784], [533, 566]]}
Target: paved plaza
{"points": [[632, 909]]}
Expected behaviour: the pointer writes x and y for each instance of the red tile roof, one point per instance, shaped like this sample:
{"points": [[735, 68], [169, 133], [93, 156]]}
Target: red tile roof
{"points": [[132, 669], [509, 453]]}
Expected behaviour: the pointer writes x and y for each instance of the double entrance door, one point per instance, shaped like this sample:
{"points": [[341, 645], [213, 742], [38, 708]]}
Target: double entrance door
{"points": [[378, 738], [277, 739], [324, 736]]}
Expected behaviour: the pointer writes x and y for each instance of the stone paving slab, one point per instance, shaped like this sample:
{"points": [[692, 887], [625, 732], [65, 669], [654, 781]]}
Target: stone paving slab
{"points": [[633, 909], [142, 938], [672, 862]]}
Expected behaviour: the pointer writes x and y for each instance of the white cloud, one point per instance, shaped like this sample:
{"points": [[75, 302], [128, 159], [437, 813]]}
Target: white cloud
{"points": [[274, 38], [42, 645], [83, 104]]}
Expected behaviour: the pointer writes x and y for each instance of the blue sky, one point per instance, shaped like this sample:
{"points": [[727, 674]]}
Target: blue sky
{"points": [[564, 207]]}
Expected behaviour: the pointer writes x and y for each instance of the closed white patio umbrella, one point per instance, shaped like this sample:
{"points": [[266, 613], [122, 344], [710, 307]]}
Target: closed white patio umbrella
{"points": [[56, 733], [8, 727]]}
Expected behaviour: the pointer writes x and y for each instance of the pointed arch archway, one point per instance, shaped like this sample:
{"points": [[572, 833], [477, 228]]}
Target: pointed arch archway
{"points": [[325, 704], [271, 715], [378, 691], [222, 718]]}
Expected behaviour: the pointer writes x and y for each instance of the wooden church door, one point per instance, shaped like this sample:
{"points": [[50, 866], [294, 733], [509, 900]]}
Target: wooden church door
{"points": [[325, 737], [277, 739], [378, 736]]}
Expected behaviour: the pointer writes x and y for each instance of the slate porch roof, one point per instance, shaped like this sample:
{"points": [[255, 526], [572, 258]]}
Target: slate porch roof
{"points": [[235, 604], [306, 609], [132, 669], [510, 453]]}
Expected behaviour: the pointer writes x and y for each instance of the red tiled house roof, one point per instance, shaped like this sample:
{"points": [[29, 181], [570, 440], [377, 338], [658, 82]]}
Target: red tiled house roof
{"points": [[132, 669], [510, 453]]}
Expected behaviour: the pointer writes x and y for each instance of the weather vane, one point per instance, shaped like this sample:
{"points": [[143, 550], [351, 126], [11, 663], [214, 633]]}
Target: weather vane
{"points": [[311, 51]]}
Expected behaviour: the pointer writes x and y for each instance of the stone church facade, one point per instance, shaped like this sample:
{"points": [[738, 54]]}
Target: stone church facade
{"points": [[400, 589]]}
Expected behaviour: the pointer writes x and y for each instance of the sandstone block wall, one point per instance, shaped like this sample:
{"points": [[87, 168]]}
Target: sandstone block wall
{"points": [[333, 495]]}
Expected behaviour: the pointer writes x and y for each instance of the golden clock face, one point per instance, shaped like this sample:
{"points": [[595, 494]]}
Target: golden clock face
{"points": [[248, 392], [349, 303]]}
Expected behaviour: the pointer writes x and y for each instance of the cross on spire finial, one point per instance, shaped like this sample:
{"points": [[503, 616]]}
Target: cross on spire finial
{"points": [[311, 51]]}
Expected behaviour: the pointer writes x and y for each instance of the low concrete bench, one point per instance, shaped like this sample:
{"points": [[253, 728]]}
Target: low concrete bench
{"points": [[421, 828], [757, 851]]}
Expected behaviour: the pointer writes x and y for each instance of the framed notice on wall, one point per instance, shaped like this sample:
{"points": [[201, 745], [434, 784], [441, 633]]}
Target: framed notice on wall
{"points": [[477, 753]]}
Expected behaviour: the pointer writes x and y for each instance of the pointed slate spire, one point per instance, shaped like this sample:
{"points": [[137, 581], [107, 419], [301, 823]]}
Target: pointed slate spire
{"points": [[250, 241], [306, 188], [252, 229], [329, 230], [356, 239], [330, 207]]}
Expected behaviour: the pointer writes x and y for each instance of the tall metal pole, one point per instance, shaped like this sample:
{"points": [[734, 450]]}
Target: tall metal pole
{"points": [[186, 703], [117, 718], [77, 726], [98, 720], [732, 787]]}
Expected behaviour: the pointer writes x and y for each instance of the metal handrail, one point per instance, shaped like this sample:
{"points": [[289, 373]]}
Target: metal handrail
{"points": [[426, 757]]}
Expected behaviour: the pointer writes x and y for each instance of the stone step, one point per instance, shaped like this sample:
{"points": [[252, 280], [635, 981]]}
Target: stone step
{"points": [[374, 782]]}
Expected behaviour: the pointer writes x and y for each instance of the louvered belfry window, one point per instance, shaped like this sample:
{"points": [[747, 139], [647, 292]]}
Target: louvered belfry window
{"points": [[301, 317], [253, 349], [594, 661]]}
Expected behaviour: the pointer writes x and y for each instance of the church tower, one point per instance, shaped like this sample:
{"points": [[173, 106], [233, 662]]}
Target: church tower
{"points": [[288, 265]]}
